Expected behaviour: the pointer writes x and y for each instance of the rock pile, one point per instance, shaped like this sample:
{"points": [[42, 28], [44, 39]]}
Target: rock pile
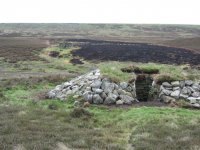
{"points": [[187, 90], [97, 90]]}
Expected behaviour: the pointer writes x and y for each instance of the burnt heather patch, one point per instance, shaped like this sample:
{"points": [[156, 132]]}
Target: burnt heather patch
{"points": [[136, 52]]}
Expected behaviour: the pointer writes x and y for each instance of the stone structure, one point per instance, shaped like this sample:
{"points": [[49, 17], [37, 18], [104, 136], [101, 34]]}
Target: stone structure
{"points": [[187, 90], [97, 90]]}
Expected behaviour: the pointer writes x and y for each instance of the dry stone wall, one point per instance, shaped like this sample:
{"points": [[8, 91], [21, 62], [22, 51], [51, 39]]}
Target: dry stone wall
{"points": [[187, 90], [96, 89]]}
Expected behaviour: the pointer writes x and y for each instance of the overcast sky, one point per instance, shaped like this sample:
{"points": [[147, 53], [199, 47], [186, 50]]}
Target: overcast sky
{"points": [[100, 11]]}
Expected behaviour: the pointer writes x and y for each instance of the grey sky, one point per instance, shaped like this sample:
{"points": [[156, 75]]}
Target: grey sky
{"points": [[101, 11]]}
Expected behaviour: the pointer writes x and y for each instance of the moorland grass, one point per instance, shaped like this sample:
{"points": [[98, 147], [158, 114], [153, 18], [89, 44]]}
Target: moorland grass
{"points": [[113, 70], [34, 125], [31, 121]]}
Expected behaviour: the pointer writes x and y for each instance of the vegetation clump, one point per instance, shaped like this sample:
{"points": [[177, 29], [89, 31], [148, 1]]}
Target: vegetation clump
{"points": [[53, 106], [80, 112], [76, 61], [54, 53], [65, 45], [136, 69], [159, 79]]}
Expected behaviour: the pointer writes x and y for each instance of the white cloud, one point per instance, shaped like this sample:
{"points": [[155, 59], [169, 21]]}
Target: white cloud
{"points": [[101, 11]]}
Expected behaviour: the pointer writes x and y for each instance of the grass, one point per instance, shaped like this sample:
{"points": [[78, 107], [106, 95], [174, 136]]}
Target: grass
{"points": [[141, 128], [62, 51], [35, 125], [30, 121], [112, 70], [63, 63]]}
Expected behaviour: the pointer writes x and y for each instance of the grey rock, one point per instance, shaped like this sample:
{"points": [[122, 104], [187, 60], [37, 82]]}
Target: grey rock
{"points": [[83, 87], [123, 85], [196, 94], [115, 92], [96, 84], [175, 84], [127, 99], [103, 95], [196, 87], [182, 84], [121, 92], [112, 95], [110, 100], [167, 92], [176, 88], [69, 92], [196, 105], [189, 82], [97, 99], [169, 88], [133, 93], [162, 88], [88, 96], [58, 87], [108, 87], [51, 94], [175, 94], [76, 96], [97, 73], [161, 94], [119, 102], [75, 89], [104, 83], [167, 99], [80, 93], [166, 84], [192, 100], [67, 84], [129, 94], [185, 91], [88, 88], [98, 91], [129, 89], [183, 96], [116, 86], [93, 89], [191, 89], [105, 80], [59, 94], [92, 77]]}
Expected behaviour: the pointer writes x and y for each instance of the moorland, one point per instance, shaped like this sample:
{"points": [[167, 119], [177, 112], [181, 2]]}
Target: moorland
{"points": [[34, 58]]}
